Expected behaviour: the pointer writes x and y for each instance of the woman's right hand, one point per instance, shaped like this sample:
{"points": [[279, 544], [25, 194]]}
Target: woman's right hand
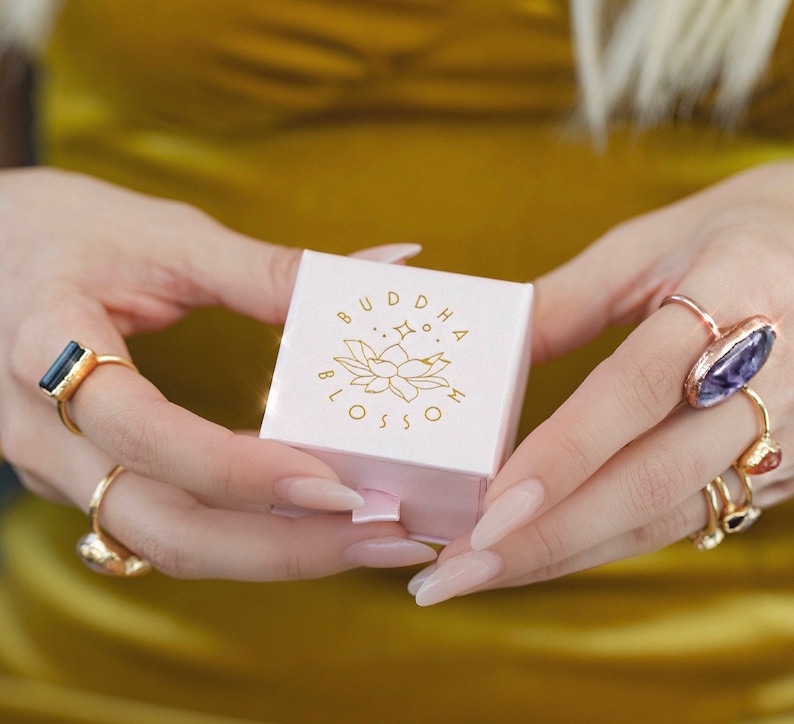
{"points": [[88, 261]]}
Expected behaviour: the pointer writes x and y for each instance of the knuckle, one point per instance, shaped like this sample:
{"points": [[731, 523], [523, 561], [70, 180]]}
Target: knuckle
{"points": [[749, 236], [661, 532], [226, 479], [646, 389], [548, 545], [164, 552], [654, 486], [138, 446], [580, 449], [293, 567]]}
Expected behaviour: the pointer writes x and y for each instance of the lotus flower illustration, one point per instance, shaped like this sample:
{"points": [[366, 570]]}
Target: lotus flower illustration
{"points": [[393, 369]]}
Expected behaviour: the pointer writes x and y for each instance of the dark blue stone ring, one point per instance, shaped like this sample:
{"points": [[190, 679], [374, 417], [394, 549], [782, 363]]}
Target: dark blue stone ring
{"points": [[730, 361], [67, 373]]}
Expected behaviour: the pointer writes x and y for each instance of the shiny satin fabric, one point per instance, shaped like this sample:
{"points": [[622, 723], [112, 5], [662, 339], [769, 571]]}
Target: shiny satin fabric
{"points": [[336, 125]]}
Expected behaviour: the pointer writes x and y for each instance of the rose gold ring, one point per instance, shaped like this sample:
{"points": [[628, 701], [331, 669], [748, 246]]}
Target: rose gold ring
{"points": [[68, 372], [732, 359], [101, 552]]}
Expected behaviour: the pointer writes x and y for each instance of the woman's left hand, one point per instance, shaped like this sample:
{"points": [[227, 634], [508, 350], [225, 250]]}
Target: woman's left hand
{"points": [[619, 469]]}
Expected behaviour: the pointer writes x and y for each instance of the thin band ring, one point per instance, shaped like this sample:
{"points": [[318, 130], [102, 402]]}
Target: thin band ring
{"points": [[712, 535], [737, 518], [765, 453], [68, 372], [101, 552], [732, 359], [696, 308]]}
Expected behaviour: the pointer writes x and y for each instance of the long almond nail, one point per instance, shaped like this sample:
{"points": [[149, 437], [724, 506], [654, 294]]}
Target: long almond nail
{"points": [[459, 575], [512, 510], [391, 552], [318, 493], [416, 582], [389, 253]]}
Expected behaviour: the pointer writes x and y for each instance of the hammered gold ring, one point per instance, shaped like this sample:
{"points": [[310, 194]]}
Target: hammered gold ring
{"points": [[101, 552], [68, 372], [731, 360], [712, 535]]}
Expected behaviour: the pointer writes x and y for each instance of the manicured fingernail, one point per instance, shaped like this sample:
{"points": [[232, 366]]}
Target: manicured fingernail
{"points": [[318, 493], [510, 511], [389, 253], [416, 582], [458, 575], [390, 552]]}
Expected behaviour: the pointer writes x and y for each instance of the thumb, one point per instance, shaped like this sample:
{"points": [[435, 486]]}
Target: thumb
{"points": [[618, 279], [256, 278]]}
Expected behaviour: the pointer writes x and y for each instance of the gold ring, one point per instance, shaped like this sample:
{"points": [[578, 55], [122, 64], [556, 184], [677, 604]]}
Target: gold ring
{"points": [[69, 370], [765, 453], [101, 552], [712, 535], [737, 518], [732, 359]]}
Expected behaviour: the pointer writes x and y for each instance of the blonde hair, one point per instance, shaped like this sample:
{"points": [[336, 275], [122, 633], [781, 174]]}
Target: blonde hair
{"points": [[648, 59], [26, 24], [652, 60]]}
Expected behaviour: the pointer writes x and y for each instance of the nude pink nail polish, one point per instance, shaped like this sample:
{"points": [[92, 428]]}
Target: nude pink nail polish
{"points": [[512, 510], [459, 575], [318, 493], [391, 552]]}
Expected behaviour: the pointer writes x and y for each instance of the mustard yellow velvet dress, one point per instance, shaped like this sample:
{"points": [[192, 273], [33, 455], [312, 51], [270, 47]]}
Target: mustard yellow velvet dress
{"points": [[338, 124]]}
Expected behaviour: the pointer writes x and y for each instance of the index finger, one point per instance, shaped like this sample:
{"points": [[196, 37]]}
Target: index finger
{"points": [[129, 419], [628, 394]]}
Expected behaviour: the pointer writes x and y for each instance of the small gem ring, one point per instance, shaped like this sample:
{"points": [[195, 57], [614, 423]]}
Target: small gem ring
{"points": [[67, 373], [101, 552], [765, 453], [737, 518], [732, 359]]}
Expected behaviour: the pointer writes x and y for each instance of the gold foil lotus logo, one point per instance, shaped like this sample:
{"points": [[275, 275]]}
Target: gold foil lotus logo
{"points": [[397, 353], [393, 370]]}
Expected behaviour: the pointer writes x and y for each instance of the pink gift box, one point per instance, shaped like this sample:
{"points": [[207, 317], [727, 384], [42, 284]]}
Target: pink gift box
{"points": [[408, 382]]}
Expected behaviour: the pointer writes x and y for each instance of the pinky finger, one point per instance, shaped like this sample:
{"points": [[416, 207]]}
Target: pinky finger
{"points": [[185, 538]]}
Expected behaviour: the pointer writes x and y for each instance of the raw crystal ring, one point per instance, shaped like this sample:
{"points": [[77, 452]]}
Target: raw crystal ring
{"points": [[737, 518], [99, 551], [712, 535], [730, 361], [765, 453], [66, 374]]}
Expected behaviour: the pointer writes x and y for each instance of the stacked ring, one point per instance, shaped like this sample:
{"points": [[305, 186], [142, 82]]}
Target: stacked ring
{"points": [[765, 453], [724, 515], [713, 534], [731, 360], [67, 373], [737, 518], [101, 552]]}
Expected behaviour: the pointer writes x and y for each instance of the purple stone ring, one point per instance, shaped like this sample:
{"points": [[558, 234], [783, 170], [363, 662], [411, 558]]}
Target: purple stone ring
{"points": [[730, 361]]}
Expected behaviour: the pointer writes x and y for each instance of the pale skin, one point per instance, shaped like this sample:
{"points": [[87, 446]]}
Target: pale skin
{"points": [[85, 260], [89, 261], [618, 469]]}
